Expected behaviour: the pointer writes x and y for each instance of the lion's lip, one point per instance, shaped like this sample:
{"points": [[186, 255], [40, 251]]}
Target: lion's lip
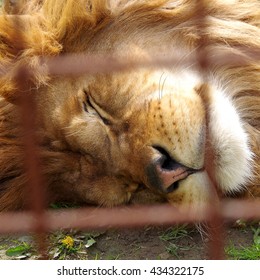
{"points": [[174, 186], [168, 178]]}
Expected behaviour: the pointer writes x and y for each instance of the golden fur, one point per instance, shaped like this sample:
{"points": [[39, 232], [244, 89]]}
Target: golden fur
{"points": [[102, 136]]}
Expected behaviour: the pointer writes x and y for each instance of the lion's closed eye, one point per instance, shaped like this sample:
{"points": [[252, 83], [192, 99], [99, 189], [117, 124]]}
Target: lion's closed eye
{"points": [[90, 106]]}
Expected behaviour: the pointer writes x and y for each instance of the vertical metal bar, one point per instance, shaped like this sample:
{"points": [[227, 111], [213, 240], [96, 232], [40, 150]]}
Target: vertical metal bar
{"points": [[31, 157], [215, 227], [28, 110]]}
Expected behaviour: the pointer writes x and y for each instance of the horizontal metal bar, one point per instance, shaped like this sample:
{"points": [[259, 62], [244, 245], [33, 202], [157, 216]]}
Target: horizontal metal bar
{"points": [[130, 216], [79, 64]]}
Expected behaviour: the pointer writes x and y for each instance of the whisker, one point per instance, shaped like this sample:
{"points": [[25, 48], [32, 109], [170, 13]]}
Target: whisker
{"points": [[160, 94], [163, 86]]}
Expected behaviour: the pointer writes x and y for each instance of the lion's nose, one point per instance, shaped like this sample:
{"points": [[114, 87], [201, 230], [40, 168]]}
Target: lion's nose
{"points": [[165, 172]]}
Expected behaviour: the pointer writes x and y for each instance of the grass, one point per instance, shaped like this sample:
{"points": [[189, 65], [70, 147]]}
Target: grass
{"points": [[63, 205], [246, 253], [172, 236], [175, 233]]}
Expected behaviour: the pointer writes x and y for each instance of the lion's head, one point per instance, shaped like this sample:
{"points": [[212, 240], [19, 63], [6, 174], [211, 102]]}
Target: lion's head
{"points": [[102, 136]]}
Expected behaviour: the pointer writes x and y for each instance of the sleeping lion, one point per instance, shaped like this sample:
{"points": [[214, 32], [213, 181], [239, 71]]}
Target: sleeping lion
{"points": [[106, 138]]}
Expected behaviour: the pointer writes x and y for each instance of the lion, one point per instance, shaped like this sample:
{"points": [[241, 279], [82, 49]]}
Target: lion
{"points": [[105, 138]]}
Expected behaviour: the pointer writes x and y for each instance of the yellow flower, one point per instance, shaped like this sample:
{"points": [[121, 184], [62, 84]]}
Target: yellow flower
{"points": [[68, 242]]}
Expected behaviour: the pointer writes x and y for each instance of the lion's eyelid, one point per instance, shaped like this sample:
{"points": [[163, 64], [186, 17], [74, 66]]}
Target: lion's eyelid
{"points": [[89, 103], [85, 107]]}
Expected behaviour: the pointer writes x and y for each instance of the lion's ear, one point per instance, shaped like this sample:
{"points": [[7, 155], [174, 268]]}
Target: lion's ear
{"points": [[69, 19]]}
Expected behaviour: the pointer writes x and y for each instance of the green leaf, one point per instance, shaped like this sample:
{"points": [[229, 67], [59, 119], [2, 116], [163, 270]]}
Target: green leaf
{"points": [[18, 250], [90, 242]]}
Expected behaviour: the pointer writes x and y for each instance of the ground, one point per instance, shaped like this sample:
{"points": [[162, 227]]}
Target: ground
{"points": [[153, 243]]}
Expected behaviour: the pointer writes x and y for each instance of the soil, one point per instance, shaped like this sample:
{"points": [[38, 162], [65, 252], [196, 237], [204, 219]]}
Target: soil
{"points": [[147, 244]]}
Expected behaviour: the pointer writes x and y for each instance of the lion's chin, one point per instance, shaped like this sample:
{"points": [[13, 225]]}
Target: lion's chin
{"points": [[194, 191]]}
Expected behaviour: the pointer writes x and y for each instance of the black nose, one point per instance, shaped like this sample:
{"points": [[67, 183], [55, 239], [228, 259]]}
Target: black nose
{"points": [[166, 162], [165, 173]]}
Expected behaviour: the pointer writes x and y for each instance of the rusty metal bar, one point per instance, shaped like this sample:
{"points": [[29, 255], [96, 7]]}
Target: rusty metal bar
{"points": [[36, 188], [28, 111], [215, 223], [121, 217], [74, 65]]}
